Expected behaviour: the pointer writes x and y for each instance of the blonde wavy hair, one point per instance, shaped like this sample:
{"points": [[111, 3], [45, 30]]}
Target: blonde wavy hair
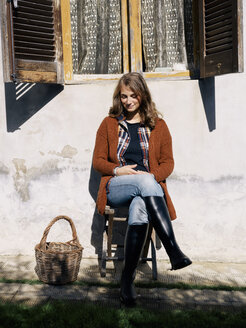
{"points": [[137, 84]]}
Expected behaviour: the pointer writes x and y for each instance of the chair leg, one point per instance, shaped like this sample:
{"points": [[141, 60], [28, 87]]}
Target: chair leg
{"points": [[107, 244], [146, 246], [110, 233], [104, 254], [154, 262], [104, 251]]}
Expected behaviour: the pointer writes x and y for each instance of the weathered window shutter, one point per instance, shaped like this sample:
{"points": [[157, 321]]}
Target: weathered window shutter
{"points": [[220, 25], [35, 40]]}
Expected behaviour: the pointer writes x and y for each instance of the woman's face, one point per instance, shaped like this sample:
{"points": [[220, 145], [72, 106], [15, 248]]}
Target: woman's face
{"points": [[129, 100]]}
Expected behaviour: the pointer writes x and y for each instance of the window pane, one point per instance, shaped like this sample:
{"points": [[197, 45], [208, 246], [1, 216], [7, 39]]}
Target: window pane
{"points": [[96, 36], [163, 32]]}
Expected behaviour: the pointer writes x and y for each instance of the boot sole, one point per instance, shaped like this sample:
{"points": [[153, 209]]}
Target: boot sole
{"points": [[181, 265]]}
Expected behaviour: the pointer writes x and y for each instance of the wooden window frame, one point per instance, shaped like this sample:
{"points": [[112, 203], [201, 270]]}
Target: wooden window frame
{"points": [[132, 47], [131, 41]]}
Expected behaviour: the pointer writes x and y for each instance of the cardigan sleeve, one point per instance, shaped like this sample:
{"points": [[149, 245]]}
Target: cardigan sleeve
{"points": [[100, 156], [165, 163]]}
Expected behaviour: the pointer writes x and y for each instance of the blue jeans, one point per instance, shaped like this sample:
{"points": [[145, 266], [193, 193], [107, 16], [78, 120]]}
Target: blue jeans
{"points": [[129, 190]]}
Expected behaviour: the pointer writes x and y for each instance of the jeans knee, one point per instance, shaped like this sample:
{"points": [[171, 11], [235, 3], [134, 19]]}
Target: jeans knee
{"points": [[149, 186]]}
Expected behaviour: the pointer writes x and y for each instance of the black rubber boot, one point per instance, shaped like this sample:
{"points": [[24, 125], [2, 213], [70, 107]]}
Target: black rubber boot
{"points": [[160, 219], [134, 242]]}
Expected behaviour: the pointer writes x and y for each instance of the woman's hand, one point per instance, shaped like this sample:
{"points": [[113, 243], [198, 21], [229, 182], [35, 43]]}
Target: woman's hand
{"points": [[128, 170]]}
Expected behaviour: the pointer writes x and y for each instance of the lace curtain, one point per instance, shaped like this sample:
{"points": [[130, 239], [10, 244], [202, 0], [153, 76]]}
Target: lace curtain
{"points": [[96, 36], [167, 34]]}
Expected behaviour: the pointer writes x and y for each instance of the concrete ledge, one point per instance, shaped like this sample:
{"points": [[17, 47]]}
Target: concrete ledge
{"points": [[155, 298], [199, 273]]}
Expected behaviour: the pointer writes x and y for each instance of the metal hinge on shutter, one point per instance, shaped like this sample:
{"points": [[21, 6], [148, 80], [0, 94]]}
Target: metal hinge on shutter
{"points": [[15, 2]]}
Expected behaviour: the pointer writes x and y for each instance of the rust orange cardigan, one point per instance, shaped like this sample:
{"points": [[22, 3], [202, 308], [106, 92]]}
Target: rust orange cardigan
{"points": [[105, 159]]}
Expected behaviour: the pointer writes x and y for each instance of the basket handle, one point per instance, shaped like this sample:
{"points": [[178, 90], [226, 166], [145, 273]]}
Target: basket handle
{"points": [[46, 231]]}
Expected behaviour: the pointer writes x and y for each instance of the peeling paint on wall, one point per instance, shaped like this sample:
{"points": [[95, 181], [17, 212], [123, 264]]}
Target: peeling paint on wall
{"points": [[67, 152], [20, 178], [23, 176]]}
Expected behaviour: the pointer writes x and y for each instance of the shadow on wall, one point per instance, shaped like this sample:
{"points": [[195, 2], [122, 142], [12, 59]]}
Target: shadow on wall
{"points": [[23, 100], [207, 90], [97, 226]]}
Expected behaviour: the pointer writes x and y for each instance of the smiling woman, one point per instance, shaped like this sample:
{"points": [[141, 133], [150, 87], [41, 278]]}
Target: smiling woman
{"points": [[133, 152], [132, 90], [131, 103]]}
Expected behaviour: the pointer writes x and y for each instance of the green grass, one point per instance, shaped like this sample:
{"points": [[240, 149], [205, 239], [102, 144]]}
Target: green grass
{"points": [[152, 284], [84, 315], [20, 281]]}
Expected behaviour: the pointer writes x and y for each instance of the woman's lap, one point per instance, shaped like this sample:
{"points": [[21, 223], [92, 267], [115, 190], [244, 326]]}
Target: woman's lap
{"points": [[129, 190]]}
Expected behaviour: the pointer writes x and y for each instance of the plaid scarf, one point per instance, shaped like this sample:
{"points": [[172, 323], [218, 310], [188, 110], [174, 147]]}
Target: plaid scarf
{"points": [[124, 141]]}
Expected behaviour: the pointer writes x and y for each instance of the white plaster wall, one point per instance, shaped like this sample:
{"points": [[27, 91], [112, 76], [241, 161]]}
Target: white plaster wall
{"points": [[45, 167]]}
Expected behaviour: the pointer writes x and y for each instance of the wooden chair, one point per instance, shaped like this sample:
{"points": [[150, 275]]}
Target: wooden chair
{"points": [[108, 248]]}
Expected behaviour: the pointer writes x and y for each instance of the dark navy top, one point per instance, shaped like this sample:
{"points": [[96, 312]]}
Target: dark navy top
{"points": [[133, 154]]}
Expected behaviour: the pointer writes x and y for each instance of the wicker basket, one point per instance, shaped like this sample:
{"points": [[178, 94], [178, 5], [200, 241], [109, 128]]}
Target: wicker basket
{"points": [[58, 263]]}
